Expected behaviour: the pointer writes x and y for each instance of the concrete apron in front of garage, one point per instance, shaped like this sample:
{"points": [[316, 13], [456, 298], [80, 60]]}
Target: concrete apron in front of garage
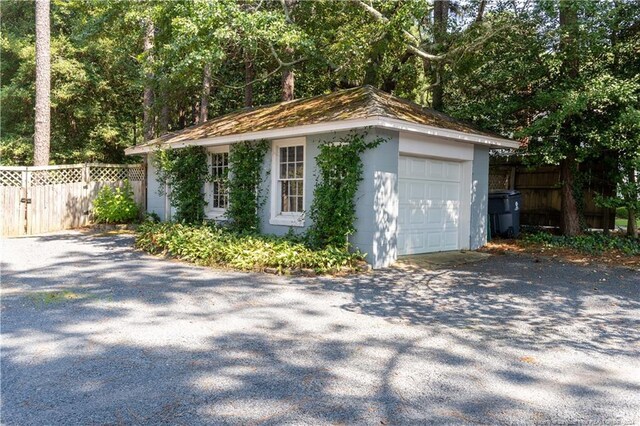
{"points": [[440, 260]]}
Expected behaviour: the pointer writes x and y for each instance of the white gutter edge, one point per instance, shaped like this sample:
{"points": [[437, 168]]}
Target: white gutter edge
{"points": [[333, 126]]}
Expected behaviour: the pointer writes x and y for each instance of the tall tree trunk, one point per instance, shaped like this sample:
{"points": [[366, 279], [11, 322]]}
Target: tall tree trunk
{"points": [[288, 77], [249, 76], [568, 167], [148, 96], [163, 121], [42, 128], [632, 225], [570, 220], [481, 6], [288, 80], [206, 91], [440, 21]]}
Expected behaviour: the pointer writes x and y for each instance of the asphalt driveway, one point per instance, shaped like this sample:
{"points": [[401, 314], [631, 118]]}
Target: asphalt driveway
{"points": [[96, 333]]}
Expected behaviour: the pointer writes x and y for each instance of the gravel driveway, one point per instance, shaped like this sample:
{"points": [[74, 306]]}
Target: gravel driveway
{"points": [[96, 333]]}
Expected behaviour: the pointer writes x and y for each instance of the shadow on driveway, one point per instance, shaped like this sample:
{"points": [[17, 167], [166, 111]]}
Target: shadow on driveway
{"points": [[144, 340]]}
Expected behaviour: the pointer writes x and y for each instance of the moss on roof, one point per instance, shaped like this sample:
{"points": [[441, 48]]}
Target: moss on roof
{"points": [[357, 103]]}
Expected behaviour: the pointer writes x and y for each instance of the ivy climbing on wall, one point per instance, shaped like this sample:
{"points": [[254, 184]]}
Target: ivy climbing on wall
{"points": [[340, 168], [184, 171], [245, 185]]}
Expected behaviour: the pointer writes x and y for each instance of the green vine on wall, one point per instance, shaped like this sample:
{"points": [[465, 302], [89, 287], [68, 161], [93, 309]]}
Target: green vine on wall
{"points": [[245, 182], [340, 169], [184, 171]]}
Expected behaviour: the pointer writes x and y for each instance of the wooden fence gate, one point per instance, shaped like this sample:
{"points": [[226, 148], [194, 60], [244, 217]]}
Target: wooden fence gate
{"points": [[34, 200]]}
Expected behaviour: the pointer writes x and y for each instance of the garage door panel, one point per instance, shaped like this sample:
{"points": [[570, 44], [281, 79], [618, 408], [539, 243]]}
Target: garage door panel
{"points": [[417, 217], [429, 205], [434, 242], [434, 216], [418, 168], [416, 192], [451, 240]]}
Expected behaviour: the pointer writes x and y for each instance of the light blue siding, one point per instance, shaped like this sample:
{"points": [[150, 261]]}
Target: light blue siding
{"points": [[376, 209], [479, 196], [155, 201], [377, 197], [377, 201]]}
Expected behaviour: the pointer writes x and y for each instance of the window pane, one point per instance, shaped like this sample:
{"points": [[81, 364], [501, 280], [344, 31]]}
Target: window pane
{"points": [[299, 153], [283, 171], [299, 204], [299, 170], [283, 155], [292, 204], [285, 197], [291, 154]]}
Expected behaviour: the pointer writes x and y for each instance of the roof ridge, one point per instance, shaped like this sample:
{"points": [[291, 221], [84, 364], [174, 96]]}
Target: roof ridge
{"points": [[375, 100]]}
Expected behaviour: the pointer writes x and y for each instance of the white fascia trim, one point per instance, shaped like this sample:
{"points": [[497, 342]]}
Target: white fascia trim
{"points": [[333, 126], [395, 124]]}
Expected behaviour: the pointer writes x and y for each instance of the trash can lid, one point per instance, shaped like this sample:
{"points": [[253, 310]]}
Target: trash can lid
{"points": [[503, 193]]}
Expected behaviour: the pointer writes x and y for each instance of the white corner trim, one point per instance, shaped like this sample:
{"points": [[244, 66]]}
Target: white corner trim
{"points": [[276, 217], [329, 127], [464, 218]]}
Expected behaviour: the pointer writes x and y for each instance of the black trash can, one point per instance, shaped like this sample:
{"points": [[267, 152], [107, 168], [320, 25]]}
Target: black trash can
{"points": [[504, 213]]}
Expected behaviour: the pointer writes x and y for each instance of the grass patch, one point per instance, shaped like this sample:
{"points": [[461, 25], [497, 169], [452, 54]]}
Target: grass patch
{"points": [[52, 297], [623, 222], [212, 245]]}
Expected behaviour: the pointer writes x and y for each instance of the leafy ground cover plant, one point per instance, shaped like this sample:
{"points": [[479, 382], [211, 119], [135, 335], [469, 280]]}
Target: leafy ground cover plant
{"points": [[590, 243], [115, 205], [212, 245]]}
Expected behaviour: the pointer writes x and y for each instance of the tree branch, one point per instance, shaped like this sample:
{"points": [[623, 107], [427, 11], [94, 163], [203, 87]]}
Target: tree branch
{"points": [[280, 62], [411, 40]]}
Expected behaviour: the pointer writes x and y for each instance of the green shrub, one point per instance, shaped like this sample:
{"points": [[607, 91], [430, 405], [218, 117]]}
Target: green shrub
{"points": [[115, 206], [622, 213], [590, 243], [212, 245]]}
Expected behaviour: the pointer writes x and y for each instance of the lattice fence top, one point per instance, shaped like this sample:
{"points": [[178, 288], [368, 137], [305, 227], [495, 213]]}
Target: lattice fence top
{"points": [[109, 173], [499, 181], [10, 177], [56, 176], [52, 175]]}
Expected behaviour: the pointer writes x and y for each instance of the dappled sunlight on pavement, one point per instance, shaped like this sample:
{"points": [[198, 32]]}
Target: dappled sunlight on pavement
{"points": [[94, 332]]}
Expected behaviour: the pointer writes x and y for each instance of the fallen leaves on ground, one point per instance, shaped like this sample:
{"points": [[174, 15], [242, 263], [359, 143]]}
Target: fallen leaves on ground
{"points": [[612, 258]]}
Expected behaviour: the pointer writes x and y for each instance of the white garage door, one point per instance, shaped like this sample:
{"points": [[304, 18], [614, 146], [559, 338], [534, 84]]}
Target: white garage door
{"points": [[429, 205]]}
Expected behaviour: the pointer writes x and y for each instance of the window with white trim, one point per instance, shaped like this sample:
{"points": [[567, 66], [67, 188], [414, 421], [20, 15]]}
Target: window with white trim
{"points": [[217, 192], [287, 199], [291, 178]]}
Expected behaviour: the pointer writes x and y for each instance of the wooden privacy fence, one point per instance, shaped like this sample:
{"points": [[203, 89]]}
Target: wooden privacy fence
{"points": [[35, 200], [540, 188]]}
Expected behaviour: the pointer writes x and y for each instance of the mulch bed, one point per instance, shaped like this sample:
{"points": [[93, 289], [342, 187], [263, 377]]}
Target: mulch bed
{"points": [[610, 258]]}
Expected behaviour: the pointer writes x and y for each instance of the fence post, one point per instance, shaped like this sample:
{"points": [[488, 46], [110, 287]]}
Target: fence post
{"points": [[25, 200], [86, 193]]}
